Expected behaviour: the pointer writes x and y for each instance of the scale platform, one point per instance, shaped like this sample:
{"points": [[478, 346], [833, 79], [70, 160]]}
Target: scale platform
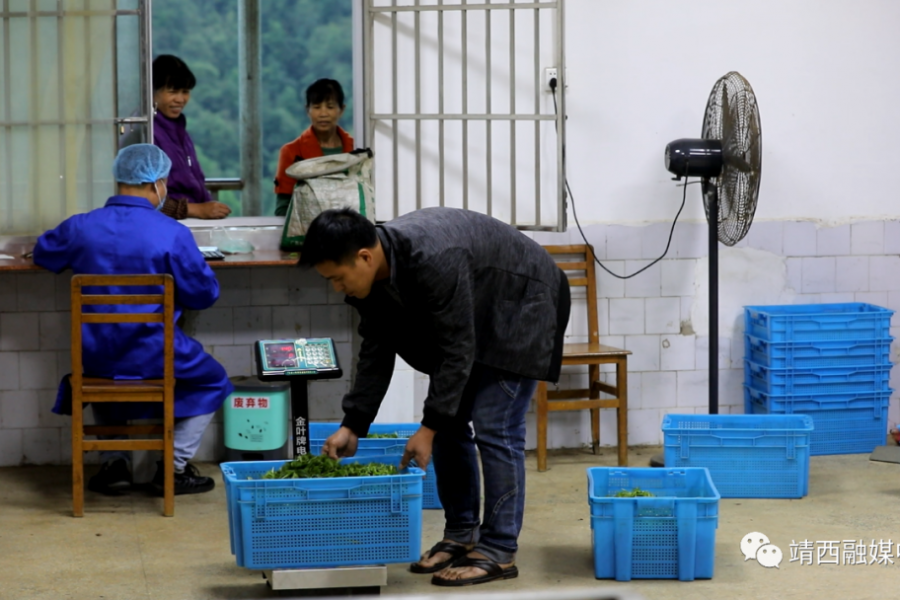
{"points": [[366, 580], [888, 454]]}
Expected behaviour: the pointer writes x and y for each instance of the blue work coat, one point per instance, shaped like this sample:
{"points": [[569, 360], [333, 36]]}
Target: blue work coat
{"points": [[128, 237]]}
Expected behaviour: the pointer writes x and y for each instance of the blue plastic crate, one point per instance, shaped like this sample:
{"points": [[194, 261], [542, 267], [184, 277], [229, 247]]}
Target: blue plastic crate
{"points": [[810, 355], [748, 456], [824, 380], [669, 536], [328, 522], [319, 432], [854, 321], [840, 427], [792, 403]]}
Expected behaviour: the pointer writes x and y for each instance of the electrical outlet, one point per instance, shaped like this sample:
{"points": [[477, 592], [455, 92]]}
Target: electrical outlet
{"points": [[550, 73]]}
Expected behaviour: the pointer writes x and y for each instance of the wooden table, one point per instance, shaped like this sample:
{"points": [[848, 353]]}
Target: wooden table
{"points": [[257, 258]]}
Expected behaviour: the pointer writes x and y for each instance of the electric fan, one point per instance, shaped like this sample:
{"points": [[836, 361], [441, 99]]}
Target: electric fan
{"points": [[728, 159]]}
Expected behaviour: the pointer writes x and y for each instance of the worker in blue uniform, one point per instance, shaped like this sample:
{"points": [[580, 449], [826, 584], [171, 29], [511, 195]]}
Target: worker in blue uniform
{"points": [[129, 235]]}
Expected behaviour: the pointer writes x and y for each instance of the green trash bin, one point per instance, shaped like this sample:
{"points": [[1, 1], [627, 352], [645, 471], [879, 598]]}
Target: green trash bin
{"points": [[257, 418]]}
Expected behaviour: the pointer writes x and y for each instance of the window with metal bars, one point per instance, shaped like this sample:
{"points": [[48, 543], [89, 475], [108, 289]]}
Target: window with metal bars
{"points": [[72, 84], [458, 110]]}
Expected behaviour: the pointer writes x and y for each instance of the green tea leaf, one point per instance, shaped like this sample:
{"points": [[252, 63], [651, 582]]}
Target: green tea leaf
{"points": [[309, 466], [635, 493]]}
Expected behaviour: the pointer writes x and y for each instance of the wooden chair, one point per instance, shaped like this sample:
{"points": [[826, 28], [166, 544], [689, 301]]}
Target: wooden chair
{"points": [[592, 354], [91, 389]]}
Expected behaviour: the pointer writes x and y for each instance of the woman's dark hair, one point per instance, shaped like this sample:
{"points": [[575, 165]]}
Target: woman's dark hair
{"points": [[172, 72], [324, 90], [337, 235]]}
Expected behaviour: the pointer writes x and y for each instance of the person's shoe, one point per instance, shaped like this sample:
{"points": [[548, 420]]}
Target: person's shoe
{"points": [[113, 478], [190, 481]]}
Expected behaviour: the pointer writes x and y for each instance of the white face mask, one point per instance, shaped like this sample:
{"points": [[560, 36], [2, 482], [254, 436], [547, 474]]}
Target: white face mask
{"points": [[162, 200]]}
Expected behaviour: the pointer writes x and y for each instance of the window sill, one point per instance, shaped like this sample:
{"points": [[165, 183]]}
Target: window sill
{"points": [[230, 222]]}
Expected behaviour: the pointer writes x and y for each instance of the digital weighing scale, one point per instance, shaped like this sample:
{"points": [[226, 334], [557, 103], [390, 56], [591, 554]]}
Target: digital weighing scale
{"points": [[300, 361]]}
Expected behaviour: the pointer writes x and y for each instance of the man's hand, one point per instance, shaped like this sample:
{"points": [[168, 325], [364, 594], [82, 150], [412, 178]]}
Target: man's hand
{"points": [[419, 448], [208, 210], [342, 442]]}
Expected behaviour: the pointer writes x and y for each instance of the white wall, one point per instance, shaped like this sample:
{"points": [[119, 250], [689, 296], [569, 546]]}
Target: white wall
{"points": [[640, 72], [823, 73], [659, 315]]}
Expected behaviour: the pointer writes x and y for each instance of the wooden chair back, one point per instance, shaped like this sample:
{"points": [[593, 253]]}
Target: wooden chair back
{"points": [[577, 261], [93, 389]]}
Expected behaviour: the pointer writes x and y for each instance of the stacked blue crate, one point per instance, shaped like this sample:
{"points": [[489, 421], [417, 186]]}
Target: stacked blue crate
{"points": [[828, 361]]}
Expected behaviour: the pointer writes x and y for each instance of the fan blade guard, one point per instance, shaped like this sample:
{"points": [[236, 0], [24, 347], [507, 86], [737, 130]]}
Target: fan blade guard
{"points": [[732, 118]]}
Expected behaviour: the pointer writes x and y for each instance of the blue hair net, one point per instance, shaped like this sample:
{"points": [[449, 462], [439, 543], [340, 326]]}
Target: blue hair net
{"points": [[141, 163]]}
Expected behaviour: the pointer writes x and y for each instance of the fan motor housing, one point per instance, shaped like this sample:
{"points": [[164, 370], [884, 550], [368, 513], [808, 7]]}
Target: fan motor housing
{"points": [[694, 158]]}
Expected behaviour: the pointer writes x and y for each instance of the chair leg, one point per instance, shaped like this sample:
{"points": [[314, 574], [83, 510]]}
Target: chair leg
{"points": [[542, 411], [593, 378], [77, 458], [622, 410], [169, 458]]}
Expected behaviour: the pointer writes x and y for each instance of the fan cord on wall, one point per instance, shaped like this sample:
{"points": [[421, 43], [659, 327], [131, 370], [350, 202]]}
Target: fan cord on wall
{"points": [[575, 214]]}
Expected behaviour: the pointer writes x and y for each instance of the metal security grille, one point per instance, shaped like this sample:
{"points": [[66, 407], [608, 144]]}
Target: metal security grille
{"points": [[458, 111], [73, 88]]}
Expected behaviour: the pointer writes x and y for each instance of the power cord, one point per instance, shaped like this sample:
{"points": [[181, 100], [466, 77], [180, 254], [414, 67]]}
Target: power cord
{"points": [[553, 84]]}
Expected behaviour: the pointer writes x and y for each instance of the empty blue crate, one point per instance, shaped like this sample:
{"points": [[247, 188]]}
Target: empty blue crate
{"points": [[326, 522], [788, 404], [319, 432], [748, 456], [671, 535], [824, 380], [811, 355], [853, 321], [842, 423]]}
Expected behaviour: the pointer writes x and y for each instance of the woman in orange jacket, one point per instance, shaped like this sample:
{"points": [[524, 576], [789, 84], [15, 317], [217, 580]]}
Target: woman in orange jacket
{"points": [[325, 106]]}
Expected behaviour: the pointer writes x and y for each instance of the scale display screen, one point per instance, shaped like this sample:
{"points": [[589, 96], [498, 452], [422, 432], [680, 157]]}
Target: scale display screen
{"points": [[281, 355], [312, 358]]}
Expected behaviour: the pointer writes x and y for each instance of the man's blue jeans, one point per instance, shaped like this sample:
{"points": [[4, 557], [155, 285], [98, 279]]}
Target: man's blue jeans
{"points": [[495, 403]]}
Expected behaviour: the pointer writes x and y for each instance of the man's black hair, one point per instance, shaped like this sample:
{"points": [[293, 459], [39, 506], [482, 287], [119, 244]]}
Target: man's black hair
{"points": [[324, 90], [337, 235], [172, 72]]}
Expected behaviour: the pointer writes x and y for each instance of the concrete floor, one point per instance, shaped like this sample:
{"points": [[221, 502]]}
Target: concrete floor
{"points": [[123, 548]]}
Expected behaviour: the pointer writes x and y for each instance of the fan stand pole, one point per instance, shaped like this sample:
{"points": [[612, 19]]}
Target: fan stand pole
{"points": [[712, 199], [713, 202]]}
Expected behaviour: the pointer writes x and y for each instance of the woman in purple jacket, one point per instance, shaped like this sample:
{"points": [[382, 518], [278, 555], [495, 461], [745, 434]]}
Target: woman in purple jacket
{"points": [[188, 196]]}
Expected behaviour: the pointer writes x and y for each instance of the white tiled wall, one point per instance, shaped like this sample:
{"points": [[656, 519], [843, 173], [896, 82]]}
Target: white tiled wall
{"points": [[654, 314], [651, 314], [254, 304]]}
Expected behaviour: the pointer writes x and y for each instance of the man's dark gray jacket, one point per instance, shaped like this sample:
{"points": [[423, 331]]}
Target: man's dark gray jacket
{"points": [[464, 288]]}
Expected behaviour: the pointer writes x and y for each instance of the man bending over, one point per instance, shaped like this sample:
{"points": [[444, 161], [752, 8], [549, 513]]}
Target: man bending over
{"points": [[482, 309]]}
